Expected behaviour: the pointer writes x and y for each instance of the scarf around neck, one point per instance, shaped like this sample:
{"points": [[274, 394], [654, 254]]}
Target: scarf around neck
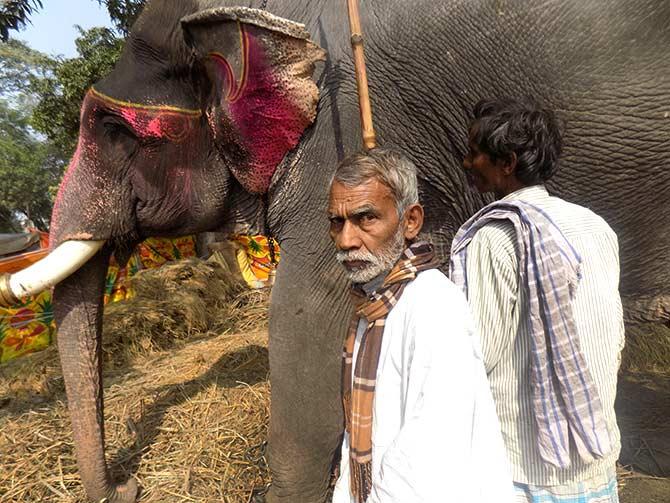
{"points": [[358, 391]]}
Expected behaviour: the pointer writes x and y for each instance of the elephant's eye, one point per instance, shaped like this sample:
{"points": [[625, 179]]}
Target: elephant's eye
{"points": [[120, 137], [116, 130]]}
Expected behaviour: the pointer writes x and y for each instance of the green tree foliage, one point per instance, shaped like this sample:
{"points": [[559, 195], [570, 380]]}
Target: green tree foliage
{"points": [[29, 171], [30, 167], [123, 13], [39, 112], [14, 14], [20, 66], [60, 96]]}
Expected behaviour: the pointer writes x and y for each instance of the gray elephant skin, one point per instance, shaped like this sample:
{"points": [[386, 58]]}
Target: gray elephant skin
{"points": [[182, 138]]}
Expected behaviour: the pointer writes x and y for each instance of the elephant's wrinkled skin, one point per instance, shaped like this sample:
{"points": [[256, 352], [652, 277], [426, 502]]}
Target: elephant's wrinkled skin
{"points": [[601, 64]]}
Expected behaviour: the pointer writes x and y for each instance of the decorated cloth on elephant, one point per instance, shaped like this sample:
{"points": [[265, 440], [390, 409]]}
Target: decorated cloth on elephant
{"points": [[257, 257], [151, 253], [498, 289], [26, 327], [29, 326], [434, 428]]}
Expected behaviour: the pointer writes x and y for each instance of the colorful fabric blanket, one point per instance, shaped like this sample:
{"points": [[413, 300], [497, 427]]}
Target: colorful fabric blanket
{"points": [[257, 257], [29, 326]]}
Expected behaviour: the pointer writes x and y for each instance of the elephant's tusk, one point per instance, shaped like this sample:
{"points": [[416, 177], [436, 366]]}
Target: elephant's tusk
{"points": [[49, 271]]}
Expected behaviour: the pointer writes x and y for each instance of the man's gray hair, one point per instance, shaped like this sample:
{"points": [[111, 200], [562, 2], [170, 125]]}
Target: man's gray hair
{"points": [[390, 167]]}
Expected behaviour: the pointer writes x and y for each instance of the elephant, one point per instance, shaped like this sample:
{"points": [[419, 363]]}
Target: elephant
{"points": [[219, 115]]}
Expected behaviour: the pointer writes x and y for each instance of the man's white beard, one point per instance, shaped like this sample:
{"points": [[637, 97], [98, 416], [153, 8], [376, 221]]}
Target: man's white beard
{"points": [[382, 261]]}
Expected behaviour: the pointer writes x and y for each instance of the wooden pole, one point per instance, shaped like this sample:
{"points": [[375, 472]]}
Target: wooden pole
{"points": [[367, 128]]}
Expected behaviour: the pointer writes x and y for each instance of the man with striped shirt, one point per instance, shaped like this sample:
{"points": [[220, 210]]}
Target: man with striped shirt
{"points": [[541, 276]]}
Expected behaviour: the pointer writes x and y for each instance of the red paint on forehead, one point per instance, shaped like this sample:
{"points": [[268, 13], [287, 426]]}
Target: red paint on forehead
{"points": [[87, 167], [165, 122]]}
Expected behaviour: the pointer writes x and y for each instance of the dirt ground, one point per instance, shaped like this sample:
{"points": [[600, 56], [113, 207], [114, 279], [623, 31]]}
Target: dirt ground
{"points": [[643, 411], [190, 424]]}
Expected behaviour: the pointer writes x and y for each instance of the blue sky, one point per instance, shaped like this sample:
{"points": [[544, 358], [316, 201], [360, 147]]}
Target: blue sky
{"points": [[52, 30]]}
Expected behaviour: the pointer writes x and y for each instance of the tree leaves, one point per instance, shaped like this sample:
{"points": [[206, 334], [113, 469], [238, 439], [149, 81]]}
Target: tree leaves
{"points": [[29, 167], [14, 14], [39, 112], [60, 95], [20, 63], [123, 13]]}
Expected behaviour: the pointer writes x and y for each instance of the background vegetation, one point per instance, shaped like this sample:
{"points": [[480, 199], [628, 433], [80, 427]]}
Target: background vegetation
{"points": [[40, 97]]}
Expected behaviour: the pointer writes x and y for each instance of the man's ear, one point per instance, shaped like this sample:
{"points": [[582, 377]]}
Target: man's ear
{"points": [[509, 165], [414, 221]]}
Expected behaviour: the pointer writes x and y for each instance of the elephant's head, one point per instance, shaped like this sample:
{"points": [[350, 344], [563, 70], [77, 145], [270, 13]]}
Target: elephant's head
{"points": [[202, 107]]}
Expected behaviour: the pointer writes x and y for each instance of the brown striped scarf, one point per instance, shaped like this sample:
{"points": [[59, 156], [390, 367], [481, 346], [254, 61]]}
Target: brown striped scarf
{"points": [[358, 397]]}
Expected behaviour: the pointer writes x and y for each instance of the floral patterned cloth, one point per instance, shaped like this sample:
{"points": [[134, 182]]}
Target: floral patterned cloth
{"points": [[26, 327], [151, 253], [29, 326], [257, 257]]}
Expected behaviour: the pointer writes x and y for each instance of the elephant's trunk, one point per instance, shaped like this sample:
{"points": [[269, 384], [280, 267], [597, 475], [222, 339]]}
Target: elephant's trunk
{"points": [[78, 309]]}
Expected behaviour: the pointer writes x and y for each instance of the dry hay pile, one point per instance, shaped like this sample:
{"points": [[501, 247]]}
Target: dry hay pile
{"points": [[647, 348], [188, 420], [643, 408], [180, 300]]}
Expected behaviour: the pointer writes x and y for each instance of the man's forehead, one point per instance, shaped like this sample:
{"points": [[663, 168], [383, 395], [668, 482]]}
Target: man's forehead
{"points": [[371, 193]]}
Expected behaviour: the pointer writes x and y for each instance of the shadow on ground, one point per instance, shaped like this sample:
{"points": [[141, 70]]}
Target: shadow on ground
{"points": [[643, 412], [248, 365]]}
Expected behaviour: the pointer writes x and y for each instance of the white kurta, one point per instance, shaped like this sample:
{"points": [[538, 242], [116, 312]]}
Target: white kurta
{"points": [[435, 434]]}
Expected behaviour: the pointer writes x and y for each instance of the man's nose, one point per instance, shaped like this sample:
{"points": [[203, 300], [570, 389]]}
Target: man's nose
{"points": [[349, 239]]}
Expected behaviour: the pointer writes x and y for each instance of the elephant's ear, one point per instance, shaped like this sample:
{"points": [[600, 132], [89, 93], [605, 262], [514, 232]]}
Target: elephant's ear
{"points": [[264, 97]]}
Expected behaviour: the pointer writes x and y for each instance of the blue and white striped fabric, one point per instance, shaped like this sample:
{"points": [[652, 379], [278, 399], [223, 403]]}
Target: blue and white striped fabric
{"points": [[566, 404], [600, 489]]}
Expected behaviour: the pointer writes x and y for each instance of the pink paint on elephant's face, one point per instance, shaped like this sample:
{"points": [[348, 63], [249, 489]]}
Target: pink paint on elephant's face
{"points": [[57, 209], [154, 167], [92, 178], [165, 124]]}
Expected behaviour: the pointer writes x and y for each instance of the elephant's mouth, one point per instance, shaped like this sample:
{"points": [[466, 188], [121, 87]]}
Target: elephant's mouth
{"points": [[63, 261]]}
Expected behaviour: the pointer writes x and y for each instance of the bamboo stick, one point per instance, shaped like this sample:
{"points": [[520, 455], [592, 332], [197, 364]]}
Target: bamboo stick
{"points": [[369, 140]]}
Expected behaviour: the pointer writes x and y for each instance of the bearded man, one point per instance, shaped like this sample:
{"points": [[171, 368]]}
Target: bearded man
{"points": [[420, 420]]}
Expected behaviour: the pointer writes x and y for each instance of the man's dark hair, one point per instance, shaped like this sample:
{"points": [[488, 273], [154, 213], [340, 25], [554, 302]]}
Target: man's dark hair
{"points": [[504, 126]]}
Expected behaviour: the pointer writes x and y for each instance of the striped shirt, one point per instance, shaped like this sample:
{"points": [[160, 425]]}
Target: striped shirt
{"points": [[499, 306]]}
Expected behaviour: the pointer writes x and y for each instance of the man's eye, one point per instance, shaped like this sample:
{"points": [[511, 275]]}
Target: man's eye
{"points": [[368, 217], [335, 221]]}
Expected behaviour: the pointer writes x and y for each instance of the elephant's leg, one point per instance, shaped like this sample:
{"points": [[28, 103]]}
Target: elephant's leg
{"points": [[78, 305], [305, 348]]}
